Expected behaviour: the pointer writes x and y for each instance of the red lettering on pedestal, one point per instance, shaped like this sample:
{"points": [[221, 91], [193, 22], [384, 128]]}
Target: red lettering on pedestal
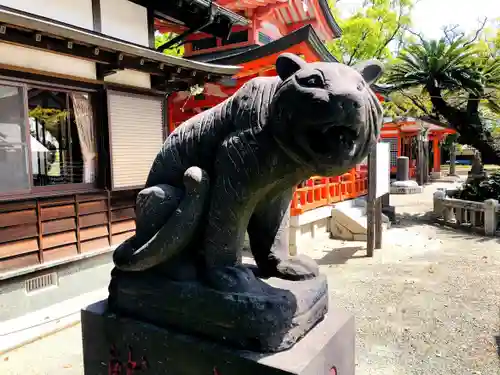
{"points": [[115, 366], [132, 365]]}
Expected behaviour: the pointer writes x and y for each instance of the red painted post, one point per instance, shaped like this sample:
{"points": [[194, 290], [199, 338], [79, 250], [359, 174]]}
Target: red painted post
{"points": [[437, 154]]}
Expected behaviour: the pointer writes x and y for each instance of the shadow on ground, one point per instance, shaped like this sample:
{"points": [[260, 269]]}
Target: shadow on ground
{"points": [[342, 255], [407, 220]]}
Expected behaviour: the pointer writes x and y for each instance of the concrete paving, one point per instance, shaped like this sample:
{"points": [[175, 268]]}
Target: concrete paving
{"points": [[427, 303]]}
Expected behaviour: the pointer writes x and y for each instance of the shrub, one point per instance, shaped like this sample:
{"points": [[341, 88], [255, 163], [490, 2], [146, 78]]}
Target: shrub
{"points": [[481, 189]]}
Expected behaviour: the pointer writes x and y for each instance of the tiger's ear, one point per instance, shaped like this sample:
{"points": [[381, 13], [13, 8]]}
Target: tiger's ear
{"points": [[287, 64], [370, 70]]}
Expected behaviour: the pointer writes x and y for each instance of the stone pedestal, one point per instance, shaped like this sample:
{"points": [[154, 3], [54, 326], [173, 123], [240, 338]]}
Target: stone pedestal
{"points": [[115, 345], [405, 187], [436, 175], [403, 184]]}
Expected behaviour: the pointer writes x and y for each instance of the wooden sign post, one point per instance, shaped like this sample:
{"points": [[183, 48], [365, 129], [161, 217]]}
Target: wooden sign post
{"points": [[378, 185]]}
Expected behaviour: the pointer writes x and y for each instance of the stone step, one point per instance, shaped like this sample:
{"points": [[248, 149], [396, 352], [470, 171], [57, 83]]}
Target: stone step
{"points": [[350, 223]]}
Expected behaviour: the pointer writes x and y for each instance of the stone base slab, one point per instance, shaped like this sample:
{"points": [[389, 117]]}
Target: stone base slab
{"points": [[436, 175], [269, 316], [112, 343], [405, 187]]}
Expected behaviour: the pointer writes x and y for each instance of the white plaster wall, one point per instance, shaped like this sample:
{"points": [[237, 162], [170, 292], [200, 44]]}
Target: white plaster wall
{"points": [[73, 12], [125, 20], [131, 78], [46, 61]]}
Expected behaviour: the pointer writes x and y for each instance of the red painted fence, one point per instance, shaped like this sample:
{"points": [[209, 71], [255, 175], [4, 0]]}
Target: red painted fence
{"points": [[321, 191]]}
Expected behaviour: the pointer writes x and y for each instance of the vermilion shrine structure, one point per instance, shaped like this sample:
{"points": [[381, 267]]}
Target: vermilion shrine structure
{"points": [[402, 137]]}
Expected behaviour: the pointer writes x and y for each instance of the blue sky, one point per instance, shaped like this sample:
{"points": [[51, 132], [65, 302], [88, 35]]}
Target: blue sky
{"points": [[430, 16]]}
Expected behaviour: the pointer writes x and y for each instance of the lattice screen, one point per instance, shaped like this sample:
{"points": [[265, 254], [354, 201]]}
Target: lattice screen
{"points": [[393, 148]]}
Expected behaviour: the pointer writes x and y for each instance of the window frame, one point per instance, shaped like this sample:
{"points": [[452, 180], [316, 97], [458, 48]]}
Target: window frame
{"points": [[36, 191]]}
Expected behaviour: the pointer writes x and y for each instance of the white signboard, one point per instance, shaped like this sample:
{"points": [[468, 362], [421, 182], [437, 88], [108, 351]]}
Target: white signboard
{"points": [[382, 169]]}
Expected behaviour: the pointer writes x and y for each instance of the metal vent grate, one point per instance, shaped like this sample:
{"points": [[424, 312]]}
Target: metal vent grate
{"points": [[41, 282]]}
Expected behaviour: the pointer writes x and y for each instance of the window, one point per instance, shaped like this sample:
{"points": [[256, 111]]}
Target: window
{"points": [[14, 169], [47, 138]]}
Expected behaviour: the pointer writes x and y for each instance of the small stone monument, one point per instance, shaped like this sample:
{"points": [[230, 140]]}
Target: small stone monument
{"points": [[477, 171], [403, 184], [181, 301]]}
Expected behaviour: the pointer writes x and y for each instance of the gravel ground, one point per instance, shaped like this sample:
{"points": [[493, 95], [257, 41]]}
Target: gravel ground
{"points": [[427, 303]]}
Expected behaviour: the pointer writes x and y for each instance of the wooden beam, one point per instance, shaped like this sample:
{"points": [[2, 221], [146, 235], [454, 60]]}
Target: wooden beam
{"points": [[114, 60], [378, 223], [96, 15], [151, 27], [59, 46], [67, 77]]}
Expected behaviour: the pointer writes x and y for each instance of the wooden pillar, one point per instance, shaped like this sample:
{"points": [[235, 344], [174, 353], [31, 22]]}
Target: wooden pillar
{"points": [[437, 154], [370, 204], [170, 114], [378, 223]]}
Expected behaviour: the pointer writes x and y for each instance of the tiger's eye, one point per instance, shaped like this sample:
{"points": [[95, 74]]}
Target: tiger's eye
{"points": [[312, 81]]}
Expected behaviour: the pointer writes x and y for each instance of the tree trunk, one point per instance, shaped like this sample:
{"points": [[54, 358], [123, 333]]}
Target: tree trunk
{"points": [[425, 160], [420, 161], [468, 125], [453, 159], [483, 141]]}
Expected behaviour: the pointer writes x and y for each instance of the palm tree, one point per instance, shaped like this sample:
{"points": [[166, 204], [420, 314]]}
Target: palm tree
{"points": [[459, 78]]}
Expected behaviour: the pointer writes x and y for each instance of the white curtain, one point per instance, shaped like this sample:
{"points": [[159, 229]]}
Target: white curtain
{"points": [[86, 133]]}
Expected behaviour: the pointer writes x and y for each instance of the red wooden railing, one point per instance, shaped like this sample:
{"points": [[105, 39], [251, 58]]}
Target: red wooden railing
{"points": [[321, 191]]}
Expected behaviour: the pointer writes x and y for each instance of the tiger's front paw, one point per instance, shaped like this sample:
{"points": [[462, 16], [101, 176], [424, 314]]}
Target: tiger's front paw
{"points": [[299, 267]]}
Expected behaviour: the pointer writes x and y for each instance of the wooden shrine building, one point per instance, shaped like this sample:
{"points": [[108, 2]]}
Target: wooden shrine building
{"points": [[83, 113], [402, 137]]}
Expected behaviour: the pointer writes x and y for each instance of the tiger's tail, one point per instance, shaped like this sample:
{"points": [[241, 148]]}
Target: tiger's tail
{"points": [[175, 234]]}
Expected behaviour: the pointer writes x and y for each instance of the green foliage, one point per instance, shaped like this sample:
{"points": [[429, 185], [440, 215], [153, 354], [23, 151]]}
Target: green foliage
{"points": [[409, 103], [50, 117], [450, 67], [489, 40], [454, 81], [460, 71], [370, 31], [164, 38], [481, 189]]}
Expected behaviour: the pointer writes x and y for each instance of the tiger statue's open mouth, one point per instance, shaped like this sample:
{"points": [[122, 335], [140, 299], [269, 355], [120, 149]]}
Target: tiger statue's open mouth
{"points": [[319, 139], [326, 114]]}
